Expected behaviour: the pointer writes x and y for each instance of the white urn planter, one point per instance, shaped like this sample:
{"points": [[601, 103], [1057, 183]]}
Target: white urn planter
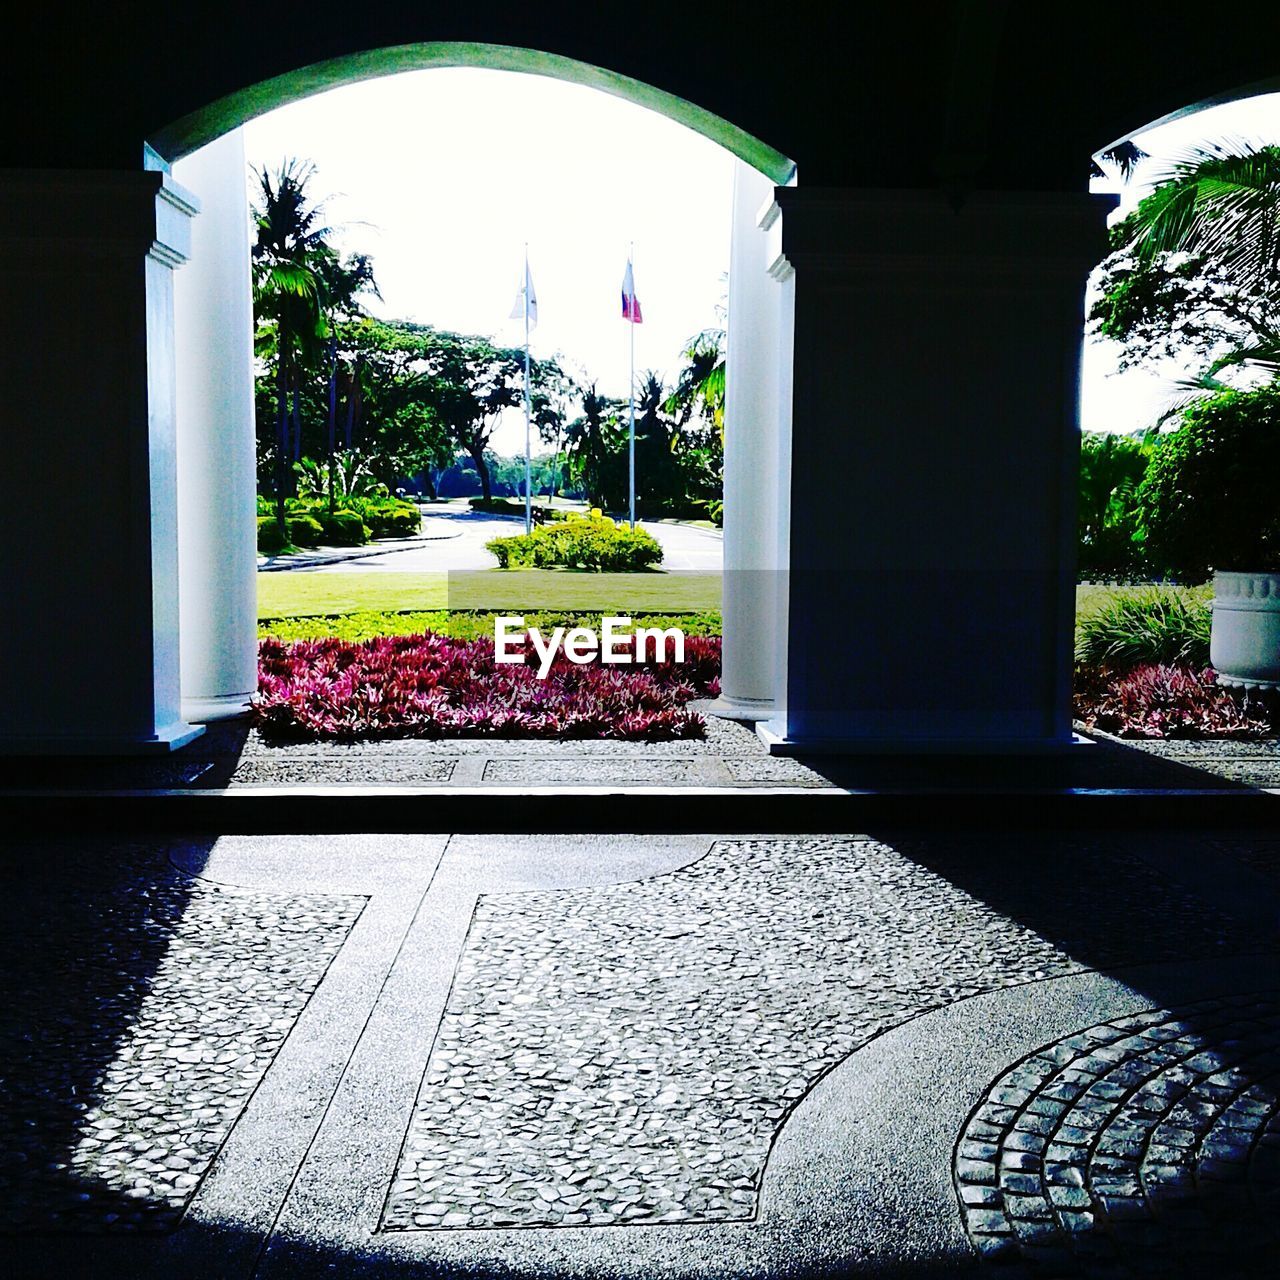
{"points": [[1244, 647]]}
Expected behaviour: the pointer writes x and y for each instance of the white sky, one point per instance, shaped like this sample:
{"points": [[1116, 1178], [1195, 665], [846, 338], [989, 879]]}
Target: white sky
{"points": [[443, 175], [1112, 401]]}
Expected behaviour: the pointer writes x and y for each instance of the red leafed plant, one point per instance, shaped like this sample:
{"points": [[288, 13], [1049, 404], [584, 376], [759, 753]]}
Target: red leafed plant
{"points": [[1165, 701], [431, 686]]}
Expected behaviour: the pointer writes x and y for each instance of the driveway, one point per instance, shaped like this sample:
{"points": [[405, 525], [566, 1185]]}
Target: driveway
{"points": [[458, 540]]}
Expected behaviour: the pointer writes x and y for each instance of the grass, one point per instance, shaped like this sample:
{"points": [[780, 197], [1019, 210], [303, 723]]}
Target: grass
{"points": [[299, 594], [1151, 624]]}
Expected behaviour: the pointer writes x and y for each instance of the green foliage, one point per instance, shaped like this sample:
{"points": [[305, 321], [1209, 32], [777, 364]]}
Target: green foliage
{"points": [[305, 531], [1208, 500], [515, 507], [466, 625], [302, 530], [1152, 624], [344, 528], [388, 517], [271, 538], [1111, 469], [581, 542], [1195, 269], [378, 516]]}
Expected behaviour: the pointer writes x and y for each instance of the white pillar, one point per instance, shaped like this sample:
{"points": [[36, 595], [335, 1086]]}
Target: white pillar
{"points": [[217, 552], [90, 568], [931, 531], [748, 681]]}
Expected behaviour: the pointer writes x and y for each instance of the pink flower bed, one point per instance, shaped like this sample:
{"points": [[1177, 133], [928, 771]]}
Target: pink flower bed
{"points": [[430, 686], [1155, 701]]}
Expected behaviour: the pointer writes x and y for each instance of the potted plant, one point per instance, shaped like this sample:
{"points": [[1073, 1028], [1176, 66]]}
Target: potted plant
{"points": [[1210, 503]]}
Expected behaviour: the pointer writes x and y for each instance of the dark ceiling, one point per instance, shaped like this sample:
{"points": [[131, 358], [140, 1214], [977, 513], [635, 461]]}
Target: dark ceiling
{"points": [[902, 95]]}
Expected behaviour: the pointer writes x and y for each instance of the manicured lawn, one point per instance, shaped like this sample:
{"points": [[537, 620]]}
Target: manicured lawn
{"points": [[303, 594]]}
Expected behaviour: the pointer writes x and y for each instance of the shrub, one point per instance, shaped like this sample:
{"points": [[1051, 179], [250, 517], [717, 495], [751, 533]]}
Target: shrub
{"points": [[466, 625], [1111, 469], [388, 517], [271, 541], [515, 507], [344, 529], [432, 686], [304, 531], [1146, 626], [582, 542], [1164, 701], [1208, 500]]}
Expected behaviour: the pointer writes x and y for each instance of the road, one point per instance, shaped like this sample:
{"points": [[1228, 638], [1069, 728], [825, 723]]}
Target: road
{"points": [[684, 547]]}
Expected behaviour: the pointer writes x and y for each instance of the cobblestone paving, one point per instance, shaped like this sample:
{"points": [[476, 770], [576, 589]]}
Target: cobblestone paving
{"points": [[626, 1054], [137, 1019], [1148, 1145]]}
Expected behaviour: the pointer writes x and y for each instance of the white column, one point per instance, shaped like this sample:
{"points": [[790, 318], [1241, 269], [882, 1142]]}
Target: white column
{"points": [[217, 552], [931, 531], [90, 569], [748, 681]]}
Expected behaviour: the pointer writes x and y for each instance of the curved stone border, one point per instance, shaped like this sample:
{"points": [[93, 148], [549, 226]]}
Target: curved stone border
{"points": [[1149, 1144]]}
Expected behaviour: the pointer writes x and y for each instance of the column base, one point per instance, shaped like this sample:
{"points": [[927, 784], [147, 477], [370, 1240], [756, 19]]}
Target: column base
{"points": [[222, 706], [165, 740], [749, 709], [774, 736]]}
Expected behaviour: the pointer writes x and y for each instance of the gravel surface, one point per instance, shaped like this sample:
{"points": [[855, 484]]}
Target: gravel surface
{"points": [[141, 1008]]}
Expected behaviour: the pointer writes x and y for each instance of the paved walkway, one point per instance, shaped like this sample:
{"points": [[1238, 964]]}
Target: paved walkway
{"points": [[731, 758], [640, 1056]]}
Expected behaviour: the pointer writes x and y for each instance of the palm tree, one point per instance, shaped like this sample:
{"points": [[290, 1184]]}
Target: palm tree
{"points": [[700, 385], [595, 443], [1219, 204], [300, 285]]}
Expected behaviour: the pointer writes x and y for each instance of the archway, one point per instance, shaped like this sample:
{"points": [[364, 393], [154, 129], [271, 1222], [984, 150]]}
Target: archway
{"points": [[214, 403]]}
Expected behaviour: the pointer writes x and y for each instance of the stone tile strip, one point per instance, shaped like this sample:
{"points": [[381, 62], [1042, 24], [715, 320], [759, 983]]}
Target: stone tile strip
{"points": [[131, 1043], [305, 771], [627, 1053], [1149, 1144], [587, 772]]}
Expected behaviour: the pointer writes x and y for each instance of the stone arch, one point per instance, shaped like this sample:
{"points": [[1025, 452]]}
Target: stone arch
{"points": [[215, 429]]}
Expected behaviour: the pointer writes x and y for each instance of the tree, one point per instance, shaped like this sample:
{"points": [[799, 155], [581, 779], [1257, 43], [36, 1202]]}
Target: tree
{"points": [[699, 389], [658, 474], [473, 381], [300, 283], [401, 431], [1195, 269], [597, 443], [1111, 469]]}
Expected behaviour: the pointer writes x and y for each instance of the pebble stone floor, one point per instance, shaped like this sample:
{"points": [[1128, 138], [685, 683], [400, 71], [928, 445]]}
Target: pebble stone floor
{"points": [[1148, 1145], [140, 1009], [626, 1054]]}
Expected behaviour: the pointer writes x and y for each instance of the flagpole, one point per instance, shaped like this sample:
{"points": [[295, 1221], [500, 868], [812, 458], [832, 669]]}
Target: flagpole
{"points": [[631, 389], [528, 465]]}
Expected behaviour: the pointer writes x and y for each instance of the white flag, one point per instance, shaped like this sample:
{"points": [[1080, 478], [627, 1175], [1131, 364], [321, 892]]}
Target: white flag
{"points": [[526, 291]]}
